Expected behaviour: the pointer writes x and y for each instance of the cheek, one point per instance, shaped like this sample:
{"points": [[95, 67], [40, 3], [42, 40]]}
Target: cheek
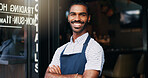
{"points": [[84, 19], [69, 19]]}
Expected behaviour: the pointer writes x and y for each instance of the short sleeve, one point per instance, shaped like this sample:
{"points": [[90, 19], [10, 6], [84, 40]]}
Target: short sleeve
{"points": [[55, 59], [95, 57]]}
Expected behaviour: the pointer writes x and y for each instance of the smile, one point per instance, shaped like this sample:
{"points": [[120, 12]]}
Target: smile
{"points": [[77, 23]]}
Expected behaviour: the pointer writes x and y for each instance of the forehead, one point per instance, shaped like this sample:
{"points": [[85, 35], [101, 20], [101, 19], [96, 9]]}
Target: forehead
{"points": [[78, 8]]}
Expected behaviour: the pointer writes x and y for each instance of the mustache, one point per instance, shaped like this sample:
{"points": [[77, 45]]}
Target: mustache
{"points": [[77, 21]]}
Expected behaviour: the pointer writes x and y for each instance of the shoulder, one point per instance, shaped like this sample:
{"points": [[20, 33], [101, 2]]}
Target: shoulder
{"points": [[59, 51], [94, 45], [94, 56], [61, 48]]}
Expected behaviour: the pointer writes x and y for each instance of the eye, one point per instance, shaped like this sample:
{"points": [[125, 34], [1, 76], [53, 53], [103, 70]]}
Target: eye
{"points": [[72, 14], [83, 14]]}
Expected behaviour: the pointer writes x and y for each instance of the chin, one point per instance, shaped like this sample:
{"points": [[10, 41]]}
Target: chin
{"points": [[77, 31]]}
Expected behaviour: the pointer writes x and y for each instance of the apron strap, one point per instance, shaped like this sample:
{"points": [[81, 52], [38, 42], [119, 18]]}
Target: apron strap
{"points": [[85, 44]]}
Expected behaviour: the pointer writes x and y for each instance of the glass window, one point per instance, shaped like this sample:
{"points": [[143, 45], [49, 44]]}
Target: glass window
{"points": [[12, 43], [18, 38]]}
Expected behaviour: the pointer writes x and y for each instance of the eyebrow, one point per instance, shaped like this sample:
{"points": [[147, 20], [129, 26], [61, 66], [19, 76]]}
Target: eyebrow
{"points": [[80, 13], [71, 12], [83, 13]]}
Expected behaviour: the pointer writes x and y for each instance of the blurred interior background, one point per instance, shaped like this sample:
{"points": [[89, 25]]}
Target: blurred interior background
{"points": [[119, 26]]}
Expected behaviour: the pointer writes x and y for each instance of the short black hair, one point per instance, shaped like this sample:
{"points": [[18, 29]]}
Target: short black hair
{"points": [[80, 3]]}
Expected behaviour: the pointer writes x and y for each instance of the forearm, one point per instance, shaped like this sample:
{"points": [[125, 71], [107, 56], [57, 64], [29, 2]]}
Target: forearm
{"points": [[53, 75], [55, 72]]}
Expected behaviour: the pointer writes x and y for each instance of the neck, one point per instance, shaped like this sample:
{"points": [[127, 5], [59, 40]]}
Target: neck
{"points": [[76, 35]]}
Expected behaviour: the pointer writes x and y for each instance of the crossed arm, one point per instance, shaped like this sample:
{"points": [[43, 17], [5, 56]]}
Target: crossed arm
{"points": [[55, 72]]}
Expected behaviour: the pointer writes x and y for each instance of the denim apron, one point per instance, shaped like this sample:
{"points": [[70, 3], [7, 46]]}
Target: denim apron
{"points": [[74, 63]]}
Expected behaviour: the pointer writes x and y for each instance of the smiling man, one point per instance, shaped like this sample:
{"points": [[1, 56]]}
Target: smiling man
{"points": [[82, 57]]}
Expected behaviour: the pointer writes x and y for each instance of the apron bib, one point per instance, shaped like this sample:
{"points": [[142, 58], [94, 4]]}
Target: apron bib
{"points": [[74, 63]]}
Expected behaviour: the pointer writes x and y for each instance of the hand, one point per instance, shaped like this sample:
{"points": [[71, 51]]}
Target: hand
{"points": [[55, 69]]}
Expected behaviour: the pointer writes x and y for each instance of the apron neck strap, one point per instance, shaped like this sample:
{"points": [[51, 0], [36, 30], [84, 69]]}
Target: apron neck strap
{"points": [[85, 44], [87, 40]]}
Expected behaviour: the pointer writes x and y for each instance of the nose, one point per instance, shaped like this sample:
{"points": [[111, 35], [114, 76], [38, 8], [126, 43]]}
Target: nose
{"points": [[77, 18]]}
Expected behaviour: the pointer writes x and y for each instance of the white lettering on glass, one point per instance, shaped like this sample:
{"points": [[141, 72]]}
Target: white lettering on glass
{"points": [[36, 36], [3, 7]]}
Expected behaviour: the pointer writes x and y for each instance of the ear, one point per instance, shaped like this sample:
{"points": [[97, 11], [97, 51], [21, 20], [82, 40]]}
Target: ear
{"points": [[89, 18]]}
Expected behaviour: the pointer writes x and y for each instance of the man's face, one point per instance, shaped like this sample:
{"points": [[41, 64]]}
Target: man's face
{"points": [[78, 18]]}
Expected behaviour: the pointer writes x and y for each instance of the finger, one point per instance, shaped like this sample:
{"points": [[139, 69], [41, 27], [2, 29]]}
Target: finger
{"points": [[56, 69], [48, 70], [51, 70], [59, 69]]}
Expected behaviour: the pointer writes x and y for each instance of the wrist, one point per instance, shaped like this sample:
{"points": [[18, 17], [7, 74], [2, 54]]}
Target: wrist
{"points": [[79, 76], [76, 76]]}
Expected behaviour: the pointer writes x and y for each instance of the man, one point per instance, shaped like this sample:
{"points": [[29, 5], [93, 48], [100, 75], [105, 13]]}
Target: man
{"points": [[82, 56]]}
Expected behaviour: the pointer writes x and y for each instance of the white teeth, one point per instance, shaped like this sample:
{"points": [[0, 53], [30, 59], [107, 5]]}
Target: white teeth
{"points": [[77, 24]]}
